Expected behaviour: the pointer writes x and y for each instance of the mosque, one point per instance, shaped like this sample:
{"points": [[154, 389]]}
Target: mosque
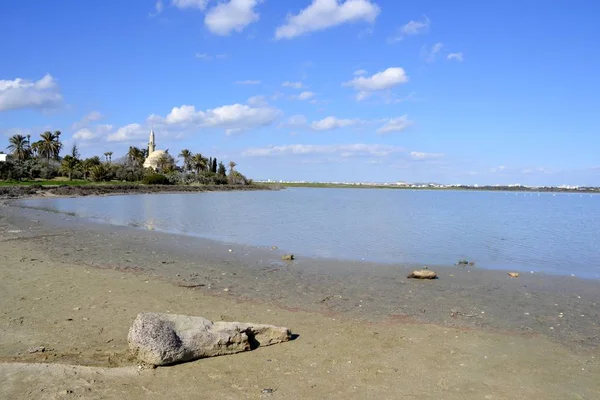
{"points": [[153, 154]]}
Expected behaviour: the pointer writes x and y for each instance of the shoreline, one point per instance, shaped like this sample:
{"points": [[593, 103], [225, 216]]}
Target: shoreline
{"points": [[36, 191], [75, 287]]}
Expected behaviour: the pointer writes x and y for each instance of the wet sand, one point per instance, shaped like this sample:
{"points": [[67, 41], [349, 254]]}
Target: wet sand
{"points": [[365, 331]]}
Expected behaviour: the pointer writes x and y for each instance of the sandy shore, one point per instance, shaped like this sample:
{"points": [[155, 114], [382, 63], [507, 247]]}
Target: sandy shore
{"points": [[364, 331]]}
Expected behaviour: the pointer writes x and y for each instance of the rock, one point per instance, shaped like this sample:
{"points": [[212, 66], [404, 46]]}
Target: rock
{"points": [[39, 349], [422, 274], [287, 257], [513, 274], [163, 339]]}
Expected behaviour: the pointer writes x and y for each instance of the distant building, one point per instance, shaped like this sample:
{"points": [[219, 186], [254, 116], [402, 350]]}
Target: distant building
{"points": [[3, 157], [153, 154]]}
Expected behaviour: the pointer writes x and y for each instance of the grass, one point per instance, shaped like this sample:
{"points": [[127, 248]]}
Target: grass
{"points": [[55, 182]]}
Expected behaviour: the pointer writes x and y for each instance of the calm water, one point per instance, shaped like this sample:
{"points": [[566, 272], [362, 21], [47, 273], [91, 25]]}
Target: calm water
{"points": [[557, 234]]}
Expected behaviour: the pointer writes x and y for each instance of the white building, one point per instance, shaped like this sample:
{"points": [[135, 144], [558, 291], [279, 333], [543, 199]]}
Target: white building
{"points": [[3, 157]]}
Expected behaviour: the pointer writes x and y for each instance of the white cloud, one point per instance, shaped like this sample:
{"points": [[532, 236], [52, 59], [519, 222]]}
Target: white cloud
{"points": [[456, 56], [420, 156], [295, 121], [395, 125], [208, 57], [360, 72], [323, 14], [230, 16], [331, 123], [21, 93], [128, 132], [199, 4], [343, 150], [380, 81], [295, 85], [85, 121], [305, 96], [499, 168], [258, 101], [248, 82], [411, 28], [91, 133], [430, 54], [158, 8], [233, 118], [416, 27]]}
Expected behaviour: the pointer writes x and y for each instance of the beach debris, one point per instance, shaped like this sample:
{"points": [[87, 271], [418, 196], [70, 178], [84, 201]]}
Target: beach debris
{"points": [[268, 391], [422, 274], [464, 262], [513, 274], [163, 339], [273, 247], [39, 349], [287, 257]]}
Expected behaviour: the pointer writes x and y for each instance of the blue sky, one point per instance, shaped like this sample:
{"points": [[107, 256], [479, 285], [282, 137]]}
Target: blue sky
{"points": [[358, 90]]}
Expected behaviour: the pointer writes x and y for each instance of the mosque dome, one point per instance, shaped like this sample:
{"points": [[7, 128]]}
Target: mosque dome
{"points": [[152, 160]]}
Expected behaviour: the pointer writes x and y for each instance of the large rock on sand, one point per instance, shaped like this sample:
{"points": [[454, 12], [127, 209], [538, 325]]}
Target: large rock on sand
{"points": [[162, 339]]}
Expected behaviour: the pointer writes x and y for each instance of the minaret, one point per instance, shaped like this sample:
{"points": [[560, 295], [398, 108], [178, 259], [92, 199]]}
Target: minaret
{"points": [[151, 143]]}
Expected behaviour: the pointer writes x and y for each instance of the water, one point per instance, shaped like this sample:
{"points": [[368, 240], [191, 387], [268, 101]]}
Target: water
{"points": [[552, 233]]}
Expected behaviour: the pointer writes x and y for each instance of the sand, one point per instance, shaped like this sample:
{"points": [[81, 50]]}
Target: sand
{"points": [[75, 288]]}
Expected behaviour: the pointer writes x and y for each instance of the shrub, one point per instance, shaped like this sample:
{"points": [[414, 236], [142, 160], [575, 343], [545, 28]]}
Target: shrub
{"points": [[156, 179]]}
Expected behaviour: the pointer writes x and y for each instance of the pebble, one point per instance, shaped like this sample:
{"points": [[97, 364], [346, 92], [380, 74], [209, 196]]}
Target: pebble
{"points": [[226, 290]]}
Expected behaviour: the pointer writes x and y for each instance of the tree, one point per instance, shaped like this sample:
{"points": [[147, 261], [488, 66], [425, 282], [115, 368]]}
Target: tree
{"points": [[232, 165], [49, 146], [75, 151], [88, 164], [110, 153], [222, 171], [199, 163], [165, 163], [186, 155], [213, 167], [19, 147], [136, 156], [68, 165]]}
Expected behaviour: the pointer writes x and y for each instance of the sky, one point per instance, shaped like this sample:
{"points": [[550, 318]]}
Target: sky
{"points": [[471, 92]]}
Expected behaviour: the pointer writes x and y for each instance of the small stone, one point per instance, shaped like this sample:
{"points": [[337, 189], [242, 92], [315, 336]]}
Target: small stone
{"points": [[267, 391], [422, 274], [513, 274], [39, 349], [287, 257], [226, 290], [77, 309]]}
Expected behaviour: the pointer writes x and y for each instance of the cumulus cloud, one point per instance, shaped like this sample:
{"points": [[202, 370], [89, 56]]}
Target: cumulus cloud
{"points": [[21, 94], [229, 16], [411, 28], [182, 4], [380, 81], [343, 150], [360, 72], [430, 54], [306, 95], [420, 156], [128, 133], [233, 118], [395, 125], [324, 14], [456, 57], [92, 133], [295, 85]]}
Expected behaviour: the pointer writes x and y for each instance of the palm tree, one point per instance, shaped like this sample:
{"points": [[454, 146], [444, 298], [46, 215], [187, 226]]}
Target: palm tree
{"points": [[136, 156], [19, 147], [165, 163], [88, 164], [199, 163], [110, 153], [232, 165], [49, 146], [68, 165], [186, 155]]}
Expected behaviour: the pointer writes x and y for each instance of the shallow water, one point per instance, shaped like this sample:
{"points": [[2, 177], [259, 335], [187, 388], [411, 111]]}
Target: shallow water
{"points": [[552, 233]]}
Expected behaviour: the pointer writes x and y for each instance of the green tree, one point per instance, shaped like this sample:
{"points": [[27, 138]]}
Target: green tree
{"points": [[199, 163], [19, 147], [222, 171], [213, 167], [88, 164], [68, 165], [186, 155], [135, 156], [50, 145], [165, 163]]}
